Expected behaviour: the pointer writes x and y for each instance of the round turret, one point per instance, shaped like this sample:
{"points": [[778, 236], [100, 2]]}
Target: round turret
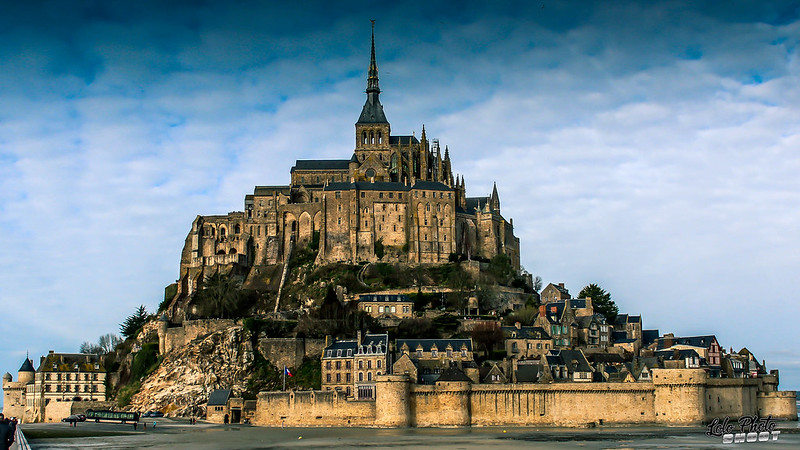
{"points": [[26, 372], [7, 378]]}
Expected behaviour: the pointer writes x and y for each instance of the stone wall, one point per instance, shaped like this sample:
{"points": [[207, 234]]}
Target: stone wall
{"points": [[780, 405], [312, 409], [177, 337], [675, 397], [290, 351], [55, 411]]}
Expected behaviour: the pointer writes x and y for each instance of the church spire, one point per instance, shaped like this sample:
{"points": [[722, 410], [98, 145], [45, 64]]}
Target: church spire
{"points": [[373, 110], [372, 75]]}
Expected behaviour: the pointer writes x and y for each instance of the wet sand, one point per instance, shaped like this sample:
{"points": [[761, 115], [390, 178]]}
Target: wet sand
{"points": [[179, 434]]}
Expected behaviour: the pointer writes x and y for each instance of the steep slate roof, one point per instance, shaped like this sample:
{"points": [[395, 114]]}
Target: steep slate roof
{"points": [[384, 298], [608, 358], [65, 362], [367, 186], [586, 321], [622, 319], [27, 366], [404, 140], [566, 358], [478, 203], [576, 303], [694, 341], [321, 164], [219, 397], [452, 374], [431, 186], [529, 373], [682, 354], [525, 333], [370, 342], [427, 344], [649, 336], [617, 336]]}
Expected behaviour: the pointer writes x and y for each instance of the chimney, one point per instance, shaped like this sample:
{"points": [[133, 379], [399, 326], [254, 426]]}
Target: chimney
{"points": [[542, 310], [518, 325], [358, 337], [589, 304], [328, 340], [561, 285]]}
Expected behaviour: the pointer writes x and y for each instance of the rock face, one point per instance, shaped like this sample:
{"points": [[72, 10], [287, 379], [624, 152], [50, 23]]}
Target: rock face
{"points": [[187, 375]]}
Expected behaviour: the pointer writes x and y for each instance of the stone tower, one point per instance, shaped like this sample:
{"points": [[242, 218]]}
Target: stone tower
{"points": [[372, 128]]}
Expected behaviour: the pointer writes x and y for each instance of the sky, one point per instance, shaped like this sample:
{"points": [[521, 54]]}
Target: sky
{"points": [[652, 148]]}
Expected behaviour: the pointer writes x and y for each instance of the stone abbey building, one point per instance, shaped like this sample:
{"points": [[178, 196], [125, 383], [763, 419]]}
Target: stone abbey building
{"points": [[395, 200]]}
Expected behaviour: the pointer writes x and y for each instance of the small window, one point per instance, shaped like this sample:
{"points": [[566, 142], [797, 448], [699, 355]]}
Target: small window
{"points": [[363, 194]]}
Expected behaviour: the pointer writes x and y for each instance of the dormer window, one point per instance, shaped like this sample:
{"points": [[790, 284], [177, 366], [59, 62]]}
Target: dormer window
{"points": [[338, 353]]}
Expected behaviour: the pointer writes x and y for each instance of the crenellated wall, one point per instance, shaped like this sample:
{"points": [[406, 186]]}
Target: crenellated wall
{"points": [[676, 396]]}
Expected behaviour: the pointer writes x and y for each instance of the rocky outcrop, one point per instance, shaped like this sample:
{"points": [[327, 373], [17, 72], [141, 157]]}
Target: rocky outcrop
{"points": [[187, 375]]}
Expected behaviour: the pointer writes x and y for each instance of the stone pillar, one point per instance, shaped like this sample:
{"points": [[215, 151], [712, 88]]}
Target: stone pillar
{"points": [[391, 401]]}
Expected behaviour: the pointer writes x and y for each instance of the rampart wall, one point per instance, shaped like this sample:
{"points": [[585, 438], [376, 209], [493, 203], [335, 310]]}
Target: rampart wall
{"points": [[312, 409], [675, 397]]}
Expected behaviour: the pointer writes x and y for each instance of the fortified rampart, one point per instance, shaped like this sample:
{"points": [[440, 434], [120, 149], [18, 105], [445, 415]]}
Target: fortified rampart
{"points": [[676, 396]]}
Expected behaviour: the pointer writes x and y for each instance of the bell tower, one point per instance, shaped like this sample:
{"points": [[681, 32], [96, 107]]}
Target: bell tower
{"points": [[372, 128]]}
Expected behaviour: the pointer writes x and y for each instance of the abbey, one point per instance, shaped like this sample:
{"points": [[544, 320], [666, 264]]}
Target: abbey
{"points": [[395, 200]]}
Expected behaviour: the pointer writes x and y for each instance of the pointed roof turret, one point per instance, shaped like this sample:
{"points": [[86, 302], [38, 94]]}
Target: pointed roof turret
{"points": [[373, 110], [27, 366], [495, 199]]}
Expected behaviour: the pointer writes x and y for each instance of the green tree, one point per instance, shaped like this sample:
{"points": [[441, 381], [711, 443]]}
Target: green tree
{"points": [[601, 301], [133, 323]]}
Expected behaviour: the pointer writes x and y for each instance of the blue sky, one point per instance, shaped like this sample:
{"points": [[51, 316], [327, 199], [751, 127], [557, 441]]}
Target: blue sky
{"points": [[650, 148]]}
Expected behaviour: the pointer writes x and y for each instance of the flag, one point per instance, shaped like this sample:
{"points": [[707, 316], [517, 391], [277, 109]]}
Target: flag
{"points": [[286, 371]]}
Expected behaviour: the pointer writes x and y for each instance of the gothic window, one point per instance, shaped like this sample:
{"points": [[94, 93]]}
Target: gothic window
{"points": [[237, 229], [380, 138], [222, 232], [371, 137], [428, 206], [364, 137]]}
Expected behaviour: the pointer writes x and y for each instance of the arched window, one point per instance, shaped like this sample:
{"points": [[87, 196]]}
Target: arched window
{"points": [[360, 376], [371, 137], [369, 376], [364, 137], [237, 229], [222, 232], [380, 138], [213, 231], [294, 226], [232, 251]]}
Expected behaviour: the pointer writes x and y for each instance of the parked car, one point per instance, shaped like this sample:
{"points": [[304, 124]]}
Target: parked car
{"points": [[72, 419], [153, 414]]}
